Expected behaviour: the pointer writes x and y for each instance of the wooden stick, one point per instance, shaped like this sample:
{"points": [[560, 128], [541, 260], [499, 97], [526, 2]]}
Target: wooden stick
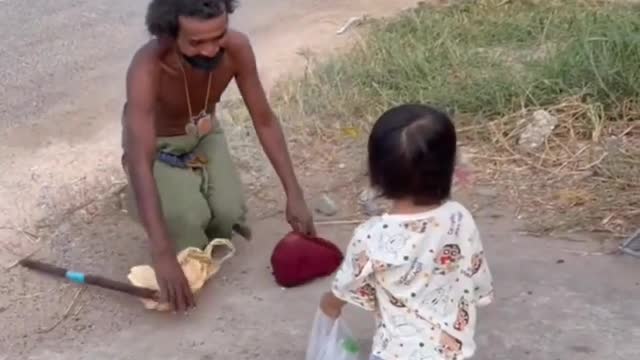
{"points": [[90, 279], [17, 262]]}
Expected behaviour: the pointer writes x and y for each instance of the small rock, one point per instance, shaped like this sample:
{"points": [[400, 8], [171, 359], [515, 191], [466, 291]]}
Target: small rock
{"points": [[490, 192], [372, 209], [560, 261], [582, 349], [366, 195], [326, 206], [79, 328], [367, 201], [538, 130]]}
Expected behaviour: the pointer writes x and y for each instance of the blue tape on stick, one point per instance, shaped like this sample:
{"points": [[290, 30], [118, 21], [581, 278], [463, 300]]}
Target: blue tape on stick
{"points": [[76, 277]]}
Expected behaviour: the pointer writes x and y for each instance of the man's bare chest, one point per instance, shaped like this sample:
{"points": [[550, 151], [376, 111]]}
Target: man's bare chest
{"points": [[180, 101], [177, 95]]}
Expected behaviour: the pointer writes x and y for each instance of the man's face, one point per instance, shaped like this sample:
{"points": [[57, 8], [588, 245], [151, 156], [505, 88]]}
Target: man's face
{"points": [[201, 42]]}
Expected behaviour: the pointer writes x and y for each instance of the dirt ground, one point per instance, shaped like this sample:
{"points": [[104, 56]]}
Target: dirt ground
{"points": [[556, 299]]}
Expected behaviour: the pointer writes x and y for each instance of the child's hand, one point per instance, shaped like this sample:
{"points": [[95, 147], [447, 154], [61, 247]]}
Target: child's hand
{"points": [[331, 305]]}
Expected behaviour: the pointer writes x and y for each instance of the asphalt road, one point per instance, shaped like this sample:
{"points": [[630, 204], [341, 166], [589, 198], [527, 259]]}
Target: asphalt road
{"points": [[52, 49]]}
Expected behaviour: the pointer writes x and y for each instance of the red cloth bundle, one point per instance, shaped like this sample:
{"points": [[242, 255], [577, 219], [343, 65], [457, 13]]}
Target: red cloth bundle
{"points": [[298, 259]]}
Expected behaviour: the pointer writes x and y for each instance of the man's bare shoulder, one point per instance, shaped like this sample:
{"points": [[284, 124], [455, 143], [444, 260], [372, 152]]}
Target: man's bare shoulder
{"points": [[237, 40], [239, 47], [148, 58]]}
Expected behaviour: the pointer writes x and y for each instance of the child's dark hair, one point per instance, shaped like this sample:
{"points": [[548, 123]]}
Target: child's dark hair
{"points": [[412, 154]]}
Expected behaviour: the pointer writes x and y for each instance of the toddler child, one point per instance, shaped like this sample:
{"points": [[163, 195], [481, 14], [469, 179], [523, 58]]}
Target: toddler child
{"points": [[421, 267]]}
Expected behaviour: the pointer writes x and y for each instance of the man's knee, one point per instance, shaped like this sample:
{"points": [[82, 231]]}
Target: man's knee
{"points": [[186, 219], [227, 217], [230, 213]]}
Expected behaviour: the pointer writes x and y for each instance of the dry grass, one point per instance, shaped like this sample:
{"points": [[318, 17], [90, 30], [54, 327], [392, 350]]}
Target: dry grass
{"points": [[495, 63], [583, 179]]}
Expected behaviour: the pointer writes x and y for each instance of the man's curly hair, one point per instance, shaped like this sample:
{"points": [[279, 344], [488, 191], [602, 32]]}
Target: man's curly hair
{"points": [[162, 15]]}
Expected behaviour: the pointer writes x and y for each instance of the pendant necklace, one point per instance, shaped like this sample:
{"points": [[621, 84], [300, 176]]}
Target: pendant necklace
{"points": [[196, 123]]}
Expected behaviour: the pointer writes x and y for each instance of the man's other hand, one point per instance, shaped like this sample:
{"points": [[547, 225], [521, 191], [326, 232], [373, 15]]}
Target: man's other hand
{"points": [[299, 216], [174, 287]]}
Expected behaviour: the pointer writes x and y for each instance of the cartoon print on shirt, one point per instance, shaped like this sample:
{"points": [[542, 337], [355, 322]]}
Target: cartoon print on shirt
{"points": [[419, 226], [423, 354], [440, 302], [395, 302], [448, 259], [381, 339], [402, 327], [476, 264], [474, 267], [365, 295], [366, 291], [379, 266], [462, 319], [415, 269], [456, 221], [391, 246], [359, 261]]}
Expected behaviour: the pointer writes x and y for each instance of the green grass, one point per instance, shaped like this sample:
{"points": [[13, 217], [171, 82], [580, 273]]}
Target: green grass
{"points": [[478, 58]]}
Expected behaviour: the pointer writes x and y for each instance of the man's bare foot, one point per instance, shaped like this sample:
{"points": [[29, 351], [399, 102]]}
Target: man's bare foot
{"points": [[243, 230]]}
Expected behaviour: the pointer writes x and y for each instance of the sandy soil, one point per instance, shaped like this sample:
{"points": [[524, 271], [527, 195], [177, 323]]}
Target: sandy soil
{"points": [[61, 144], [557, 300]]}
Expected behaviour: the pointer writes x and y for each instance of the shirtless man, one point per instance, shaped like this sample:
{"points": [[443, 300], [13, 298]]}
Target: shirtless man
{"points": [[181, 175]]}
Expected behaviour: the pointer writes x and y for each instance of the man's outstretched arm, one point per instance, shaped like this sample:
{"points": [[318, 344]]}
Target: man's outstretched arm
{"points": [[140, 138], [271, 136]]}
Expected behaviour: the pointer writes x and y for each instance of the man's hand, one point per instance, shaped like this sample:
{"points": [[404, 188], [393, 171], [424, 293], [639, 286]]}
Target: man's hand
{"points": [[140, 149], [331, 305], [299, 216], [174, 287]]}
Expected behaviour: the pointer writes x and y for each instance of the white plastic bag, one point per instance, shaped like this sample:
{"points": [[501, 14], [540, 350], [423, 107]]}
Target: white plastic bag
{"points": [[331, 340]]}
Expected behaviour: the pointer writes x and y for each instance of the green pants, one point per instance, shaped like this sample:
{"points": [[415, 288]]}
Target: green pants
{"points": [[199, 205]]}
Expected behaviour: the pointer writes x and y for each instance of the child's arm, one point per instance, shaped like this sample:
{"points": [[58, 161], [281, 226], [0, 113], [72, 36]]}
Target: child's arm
{"points": [[331, 305], [354, 281], [482, 278]]}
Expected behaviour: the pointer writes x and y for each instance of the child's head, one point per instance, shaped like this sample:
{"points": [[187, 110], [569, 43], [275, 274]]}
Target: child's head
{"points": [[412, 154]]}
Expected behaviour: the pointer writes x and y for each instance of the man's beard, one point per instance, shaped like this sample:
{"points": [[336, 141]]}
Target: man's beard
{"points": [[205, 63]]}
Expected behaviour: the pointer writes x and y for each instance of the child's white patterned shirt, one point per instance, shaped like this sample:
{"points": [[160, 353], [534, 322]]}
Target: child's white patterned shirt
{"points": [[423, 275]]}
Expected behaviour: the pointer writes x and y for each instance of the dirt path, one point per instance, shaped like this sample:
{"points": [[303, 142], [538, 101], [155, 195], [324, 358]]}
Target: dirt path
{"points": [[556, 300], [60, 125], [60, 139], [553, 301]]}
